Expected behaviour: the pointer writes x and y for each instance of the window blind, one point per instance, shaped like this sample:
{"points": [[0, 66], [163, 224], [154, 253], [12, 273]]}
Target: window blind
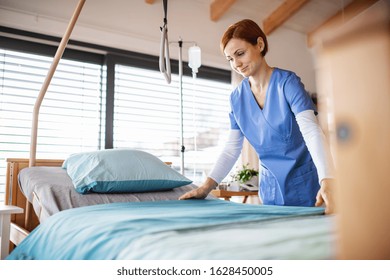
{"points": [[147, 117], [70, 118]]}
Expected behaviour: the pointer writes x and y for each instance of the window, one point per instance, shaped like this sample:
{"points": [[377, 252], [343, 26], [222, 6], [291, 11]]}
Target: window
{"points": [[147, 117], [70, 117], [107, 98]]}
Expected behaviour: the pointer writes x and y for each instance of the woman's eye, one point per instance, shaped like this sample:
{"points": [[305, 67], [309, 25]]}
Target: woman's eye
{"points": [[240, 53]]}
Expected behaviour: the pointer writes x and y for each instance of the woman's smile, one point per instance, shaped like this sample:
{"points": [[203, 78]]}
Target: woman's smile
{"points": [[242, 70]]}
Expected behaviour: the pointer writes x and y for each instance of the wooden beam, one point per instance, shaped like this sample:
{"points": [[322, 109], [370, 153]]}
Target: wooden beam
{"points": [[219, 7], [149, 1], [330, 25], [281, 14]]}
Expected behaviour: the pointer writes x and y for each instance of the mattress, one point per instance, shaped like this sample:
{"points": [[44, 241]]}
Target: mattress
{"points": [[50, 190]]}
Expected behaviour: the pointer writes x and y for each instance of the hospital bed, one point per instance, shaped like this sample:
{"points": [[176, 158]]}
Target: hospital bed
{"points": [[155, 224]]}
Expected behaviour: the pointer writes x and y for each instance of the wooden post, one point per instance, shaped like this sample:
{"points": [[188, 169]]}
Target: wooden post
{"points": [[355, 72]]}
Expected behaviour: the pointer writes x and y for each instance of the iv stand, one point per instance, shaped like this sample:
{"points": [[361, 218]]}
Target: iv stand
{"points": [[182, 147], [182, 150]]}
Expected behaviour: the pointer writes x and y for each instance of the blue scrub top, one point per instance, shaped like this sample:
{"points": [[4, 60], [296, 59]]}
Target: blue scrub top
{"points": [[288, 174]]}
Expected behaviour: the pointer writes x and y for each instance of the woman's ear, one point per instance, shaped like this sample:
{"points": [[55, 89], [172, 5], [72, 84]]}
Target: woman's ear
{"points": [[260, 43]]}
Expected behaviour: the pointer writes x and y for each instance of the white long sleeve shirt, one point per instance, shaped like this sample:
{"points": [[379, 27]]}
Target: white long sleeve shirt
{"points": [[312, 134]]}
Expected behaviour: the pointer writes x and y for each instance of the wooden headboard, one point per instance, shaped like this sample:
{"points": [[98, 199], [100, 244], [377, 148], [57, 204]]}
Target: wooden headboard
{"points": [[21, 225]]}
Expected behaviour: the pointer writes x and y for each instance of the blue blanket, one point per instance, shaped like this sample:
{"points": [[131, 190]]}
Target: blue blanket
{"points": [[189, 229]]}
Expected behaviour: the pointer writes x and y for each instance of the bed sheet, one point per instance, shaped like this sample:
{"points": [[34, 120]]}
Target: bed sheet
{"points": [[189, 229], [51, 190]]}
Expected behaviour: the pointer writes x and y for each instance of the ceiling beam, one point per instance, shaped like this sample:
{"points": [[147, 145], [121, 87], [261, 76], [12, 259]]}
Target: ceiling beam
{"points": [[219, 7], [329, 26], [281, 14]]}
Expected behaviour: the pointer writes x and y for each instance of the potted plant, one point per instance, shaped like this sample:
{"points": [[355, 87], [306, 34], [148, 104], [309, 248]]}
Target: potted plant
{"points": [[245, 176]]}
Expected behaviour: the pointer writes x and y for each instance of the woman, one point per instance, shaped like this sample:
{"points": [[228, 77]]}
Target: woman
{"points": [[274, 112]]}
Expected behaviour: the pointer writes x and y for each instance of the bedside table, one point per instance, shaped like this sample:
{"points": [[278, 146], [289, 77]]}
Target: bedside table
{"points": [[225, 194], [5, 222]]}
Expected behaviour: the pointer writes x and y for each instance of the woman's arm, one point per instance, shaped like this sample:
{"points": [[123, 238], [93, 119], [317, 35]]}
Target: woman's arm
{"points": [[319, 149], [222, 167], [228, 157], [316, 143]]}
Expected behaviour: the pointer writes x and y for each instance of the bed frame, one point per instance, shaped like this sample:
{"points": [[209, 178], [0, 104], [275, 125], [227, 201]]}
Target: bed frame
{"points": [[21, 225]]}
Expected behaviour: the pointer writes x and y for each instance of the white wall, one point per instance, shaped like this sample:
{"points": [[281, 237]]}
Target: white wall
{"points": [[288, 49], [135, 26]]}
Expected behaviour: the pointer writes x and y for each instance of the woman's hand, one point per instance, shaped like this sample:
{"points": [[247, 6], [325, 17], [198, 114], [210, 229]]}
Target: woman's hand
{"points": [[326, 195], [201, 192]]}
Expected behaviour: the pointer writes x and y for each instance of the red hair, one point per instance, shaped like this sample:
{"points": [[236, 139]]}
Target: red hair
{"points": [[246, 30]]}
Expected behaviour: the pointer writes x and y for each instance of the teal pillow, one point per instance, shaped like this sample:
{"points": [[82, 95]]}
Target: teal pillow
{"points": [[121, 171]]}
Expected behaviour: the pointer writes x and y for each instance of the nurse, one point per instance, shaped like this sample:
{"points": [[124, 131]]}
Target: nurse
{"points": [[272, 109]]}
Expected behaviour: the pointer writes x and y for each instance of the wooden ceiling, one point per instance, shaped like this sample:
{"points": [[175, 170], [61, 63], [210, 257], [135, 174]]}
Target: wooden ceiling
{"points": [[286, 9]]}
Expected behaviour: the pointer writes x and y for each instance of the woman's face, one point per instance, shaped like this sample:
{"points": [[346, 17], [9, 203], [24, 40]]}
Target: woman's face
{"points": [[244, 57]]}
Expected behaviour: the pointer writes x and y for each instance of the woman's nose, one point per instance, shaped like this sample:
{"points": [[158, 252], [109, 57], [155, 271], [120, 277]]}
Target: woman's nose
{"points": [[236, 63]]}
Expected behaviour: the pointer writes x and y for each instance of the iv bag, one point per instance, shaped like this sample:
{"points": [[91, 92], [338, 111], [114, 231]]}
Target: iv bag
{"points": [[194, 58]]}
